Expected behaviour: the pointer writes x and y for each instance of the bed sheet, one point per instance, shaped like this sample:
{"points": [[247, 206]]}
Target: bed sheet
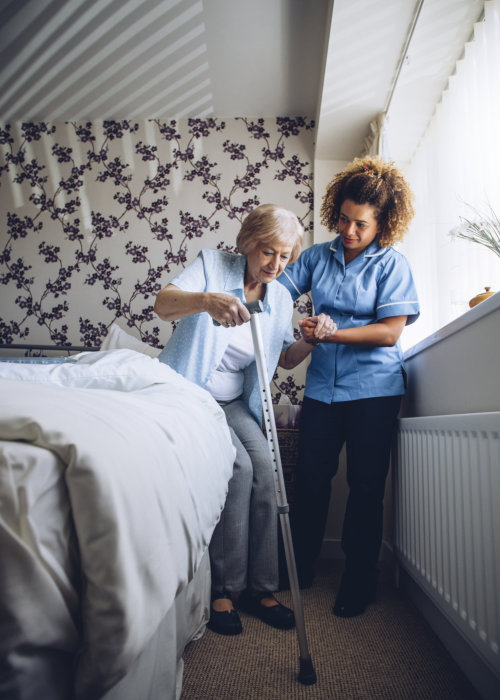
{"points": [[40, 632], [146, 457]]}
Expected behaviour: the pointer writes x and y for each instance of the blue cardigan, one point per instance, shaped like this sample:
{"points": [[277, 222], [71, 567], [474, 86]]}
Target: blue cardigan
{"points": [[197, 345]]}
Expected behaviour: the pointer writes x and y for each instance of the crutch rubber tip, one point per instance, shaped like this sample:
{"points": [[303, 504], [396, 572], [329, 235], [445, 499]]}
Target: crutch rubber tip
{"points": [[307, 674]]}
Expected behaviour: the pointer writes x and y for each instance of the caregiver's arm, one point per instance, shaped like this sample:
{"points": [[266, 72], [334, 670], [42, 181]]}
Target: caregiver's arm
{"points": [[383, 333], [173, 303]]}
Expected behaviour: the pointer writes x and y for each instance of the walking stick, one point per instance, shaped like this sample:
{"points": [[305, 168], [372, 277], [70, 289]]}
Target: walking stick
{"points": [[307, 674]]}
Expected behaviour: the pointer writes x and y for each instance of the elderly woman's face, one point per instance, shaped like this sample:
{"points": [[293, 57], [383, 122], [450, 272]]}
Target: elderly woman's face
{"points": [[265, 263]]}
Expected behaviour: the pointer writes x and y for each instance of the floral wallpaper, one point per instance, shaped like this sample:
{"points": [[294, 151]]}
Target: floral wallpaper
{"points": [[97, 217]]}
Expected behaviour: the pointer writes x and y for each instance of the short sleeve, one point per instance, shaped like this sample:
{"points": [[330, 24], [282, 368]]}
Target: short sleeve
{"points": [[193, 277], [289, 338], [397, 294]]}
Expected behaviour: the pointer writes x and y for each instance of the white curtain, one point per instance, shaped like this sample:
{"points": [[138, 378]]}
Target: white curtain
{"points": [[457, 166], [376, 141]]}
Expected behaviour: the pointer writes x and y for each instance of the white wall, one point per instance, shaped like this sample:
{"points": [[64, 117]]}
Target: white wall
{"points": [[457, 369]]}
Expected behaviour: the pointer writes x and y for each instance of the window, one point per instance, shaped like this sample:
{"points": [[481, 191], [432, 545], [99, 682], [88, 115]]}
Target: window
{"points": [[456, 170]]}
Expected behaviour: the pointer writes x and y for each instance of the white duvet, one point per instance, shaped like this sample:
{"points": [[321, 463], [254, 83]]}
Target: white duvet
{"points": [[146, 457]]}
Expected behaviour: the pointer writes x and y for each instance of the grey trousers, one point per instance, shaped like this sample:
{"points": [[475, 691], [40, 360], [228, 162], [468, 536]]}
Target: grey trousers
{"points": [[244, 546]]}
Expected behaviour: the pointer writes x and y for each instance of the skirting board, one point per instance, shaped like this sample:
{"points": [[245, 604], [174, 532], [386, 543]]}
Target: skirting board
{"points": [[480, 675]]}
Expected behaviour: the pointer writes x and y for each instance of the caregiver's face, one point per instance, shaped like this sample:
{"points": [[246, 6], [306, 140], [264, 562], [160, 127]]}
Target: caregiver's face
{"points": [[358, 227]]}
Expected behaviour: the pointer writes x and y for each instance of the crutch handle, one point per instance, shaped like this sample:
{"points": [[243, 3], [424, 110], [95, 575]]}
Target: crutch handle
{"points": [[255, 307]]}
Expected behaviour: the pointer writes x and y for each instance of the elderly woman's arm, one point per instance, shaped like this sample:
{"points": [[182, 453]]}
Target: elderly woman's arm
{"points": [[293, 356], [320, 327], [173, 303]]}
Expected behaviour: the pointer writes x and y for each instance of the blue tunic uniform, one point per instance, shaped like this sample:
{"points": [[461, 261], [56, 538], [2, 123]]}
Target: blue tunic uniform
{"points": [[377, 284]]}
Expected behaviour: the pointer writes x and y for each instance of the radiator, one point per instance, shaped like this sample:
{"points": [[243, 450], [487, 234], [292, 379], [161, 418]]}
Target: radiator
{"points": [[447, 520]]}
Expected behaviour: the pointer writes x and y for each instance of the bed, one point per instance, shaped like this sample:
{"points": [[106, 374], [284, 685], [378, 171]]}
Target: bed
{"points": [[113, 475]]}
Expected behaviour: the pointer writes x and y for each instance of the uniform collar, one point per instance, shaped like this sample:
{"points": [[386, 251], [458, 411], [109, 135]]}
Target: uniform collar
{"points": [[372, 251]]}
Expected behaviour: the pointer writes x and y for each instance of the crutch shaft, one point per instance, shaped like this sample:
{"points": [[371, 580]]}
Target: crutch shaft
{"points": [[307, 674]]}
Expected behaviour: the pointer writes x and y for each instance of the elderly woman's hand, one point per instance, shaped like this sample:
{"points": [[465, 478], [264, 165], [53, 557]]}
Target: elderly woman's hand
{"points": [[317, 328], [227, 310]]}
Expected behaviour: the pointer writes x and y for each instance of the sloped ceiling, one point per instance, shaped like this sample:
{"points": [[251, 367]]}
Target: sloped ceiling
{"points": [[333, 61], [131, 59]]}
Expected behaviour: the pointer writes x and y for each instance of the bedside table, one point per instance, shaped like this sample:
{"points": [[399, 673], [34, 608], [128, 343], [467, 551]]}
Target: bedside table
{"points": [[288, 440]]}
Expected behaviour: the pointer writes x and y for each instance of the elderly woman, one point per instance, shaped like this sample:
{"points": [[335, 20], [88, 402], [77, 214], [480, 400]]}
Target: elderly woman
{"points": [[243, 550]]}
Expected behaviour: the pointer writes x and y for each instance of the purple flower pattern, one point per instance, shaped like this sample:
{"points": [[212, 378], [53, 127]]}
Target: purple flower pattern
{"points": [[96, 217]]}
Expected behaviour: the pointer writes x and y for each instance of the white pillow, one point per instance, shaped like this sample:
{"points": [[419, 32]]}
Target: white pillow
{"points": [[118, 339], [120, 369]]}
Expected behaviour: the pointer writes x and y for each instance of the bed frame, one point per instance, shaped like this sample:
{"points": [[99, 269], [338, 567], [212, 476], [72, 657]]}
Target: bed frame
{"points": [[32, 347]]}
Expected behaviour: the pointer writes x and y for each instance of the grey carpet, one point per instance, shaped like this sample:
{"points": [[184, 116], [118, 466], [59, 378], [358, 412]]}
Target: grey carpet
{"points": [[388, 653]]}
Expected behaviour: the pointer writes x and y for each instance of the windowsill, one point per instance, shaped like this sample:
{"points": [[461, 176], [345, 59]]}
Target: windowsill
{"points": [[468, 318]]}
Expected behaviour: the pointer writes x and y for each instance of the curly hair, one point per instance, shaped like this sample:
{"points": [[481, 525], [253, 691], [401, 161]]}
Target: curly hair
{"points": [[372, 180]]}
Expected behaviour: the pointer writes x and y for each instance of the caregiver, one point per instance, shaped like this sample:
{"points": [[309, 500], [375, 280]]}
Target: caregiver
{"points": [[356, 375]]}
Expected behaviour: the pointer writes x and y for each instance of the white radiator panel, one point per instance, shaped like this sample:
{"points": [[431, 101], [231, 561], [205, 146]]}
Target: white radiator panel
{"points": [[447, 519]]}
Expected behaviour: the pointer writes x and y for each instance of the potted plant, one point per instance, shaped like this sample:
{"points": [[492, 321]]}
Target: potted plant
{"points": [[483, 229]]}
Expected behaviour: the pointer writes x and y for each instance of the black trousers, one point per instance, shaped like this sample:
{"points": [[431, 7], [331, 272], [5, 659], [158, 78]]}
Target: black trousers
{"points": [[367, 427]]}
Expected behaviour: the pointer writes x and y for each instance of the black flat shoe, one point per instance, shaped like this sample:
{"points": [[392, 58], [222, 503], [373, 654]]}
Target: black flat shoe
{"points": [[226, 622], [349, 606], [277, 616]]}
